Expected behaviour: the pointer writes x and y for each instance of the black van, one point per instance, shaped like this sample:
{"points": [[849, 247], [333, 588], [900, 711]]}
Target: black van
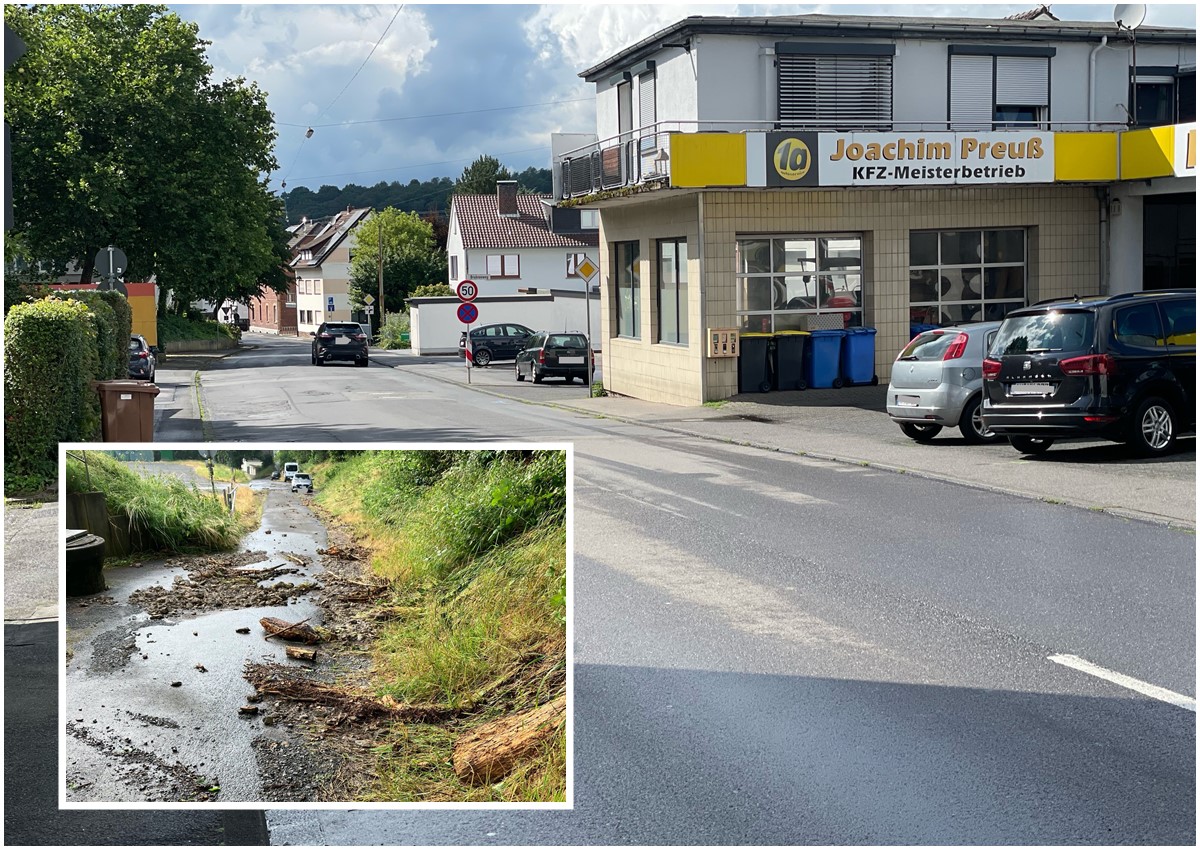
{"points": [[1117, 367]]}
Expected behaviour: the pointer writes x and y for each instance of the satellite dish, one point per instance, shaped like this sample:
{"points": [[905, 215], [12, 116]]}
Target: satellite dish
{"points": [[1129, 16]]}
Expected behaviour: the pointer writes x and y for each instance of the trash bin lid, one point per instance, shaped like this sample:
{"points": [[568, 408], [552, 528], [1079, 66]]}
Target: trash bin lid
{"points": [[790, 333], [861, 330], [841, 332], [754, 334]]}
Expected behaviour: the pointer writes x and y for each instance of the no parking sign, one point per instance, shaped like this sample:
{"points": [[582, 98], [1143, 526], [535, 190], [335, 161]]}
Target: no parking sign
{"points": [[467, 313]]}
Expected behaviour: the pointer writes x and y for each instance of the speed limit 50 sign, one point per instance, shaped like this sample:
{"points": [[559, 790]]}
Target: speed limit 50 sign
{"points": [[467, 290]]}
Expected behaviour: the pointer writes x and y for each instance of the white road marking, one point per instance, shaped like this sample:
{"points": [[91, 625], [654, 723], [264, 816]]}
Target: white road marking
{"points": [[1154, 691]]}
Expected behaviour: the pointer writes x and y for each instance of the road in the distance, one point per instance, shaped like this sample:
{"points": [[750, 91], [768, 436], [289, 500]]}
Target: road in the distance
{"points": [[774, 649]]}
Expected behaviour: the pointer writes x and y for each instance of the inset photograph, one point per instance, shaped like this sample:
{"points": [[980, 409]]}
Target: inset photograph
{"points": [[286, 627]]}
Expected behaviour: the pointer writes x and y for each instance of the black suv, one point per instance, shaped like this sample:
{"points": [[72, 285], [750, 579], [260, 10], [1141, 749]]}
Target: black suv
{"points": [[339, 341], [1117, 367], [495, 342], [553, 355]]}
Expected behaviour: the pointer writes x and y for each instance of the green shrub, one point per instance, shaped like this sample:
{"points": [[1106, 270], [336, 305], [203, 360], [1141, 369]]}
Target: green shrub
{"points": [[112, 334], [432, 290], [173, 328], [50, 360], [394, 325]]}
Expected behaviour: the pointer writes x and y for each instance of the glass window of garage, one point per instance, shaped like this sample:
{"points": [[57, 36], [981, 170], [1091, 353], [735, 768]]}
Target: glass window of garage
{"points": [[801, 282], [957, 276], [672, 291], [628, 289]]}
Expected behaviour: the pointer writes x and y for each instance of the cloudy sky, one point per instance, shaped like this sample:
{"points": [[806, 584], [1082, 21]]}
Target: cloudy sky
{"points": [[441, 82]]}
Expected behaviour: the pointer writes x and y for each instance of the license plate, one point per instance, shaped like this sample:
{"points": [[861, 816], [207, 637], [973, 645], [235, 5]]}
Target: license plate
{"points": [[341, 340], [1031, 389], [570, 360], [908, 401]]}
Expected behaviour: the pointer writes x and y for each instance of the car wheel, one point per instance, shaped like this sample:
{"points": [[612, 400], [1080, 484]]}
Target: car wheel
{"points": [[364, 362], [312, 356], [520, 377], [920, 432], [970, 423], [482, 357], [1154, 429], [1030, 445], [537, 376]]}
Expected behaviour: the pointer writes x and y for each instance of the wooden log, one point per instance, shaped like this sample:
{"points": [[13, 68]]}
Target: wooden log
{"points": [[300, 653], [490, 752], [301, 632]]}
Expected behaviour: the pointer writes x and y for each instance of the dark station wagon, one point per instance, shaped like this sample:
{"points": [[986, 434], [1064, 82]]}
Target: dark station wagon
{"points": [[553, 355], [1118, 367]]}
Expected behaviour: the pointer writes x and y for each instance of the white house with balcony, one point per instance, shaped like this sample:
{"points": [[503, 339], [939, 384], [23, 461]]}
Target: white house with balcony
{"points": [[789, 173]]}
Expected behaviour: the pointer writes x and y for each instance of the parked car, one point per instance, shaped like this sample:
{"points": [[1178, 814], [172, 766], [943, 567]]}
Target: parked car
{"points": [[495, 342], [275, 475], [1118, 367], [302, 481], [339, 341], [553, 355], [937, 382], [289, 469], [142, 362]]}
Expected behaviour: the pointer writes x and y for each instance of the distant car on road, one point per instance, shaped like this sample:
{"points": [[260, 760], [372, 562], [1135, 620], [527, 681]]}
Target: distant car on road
{"points": [[495, 342], [142, 362], [553, 355], [289, 469], [275, 475], [302, 481], [339, 341], [937, 382]]}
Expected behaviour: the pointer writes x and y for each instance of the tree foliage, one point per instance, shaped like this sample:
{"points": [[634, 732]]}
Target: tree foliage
{"points": [[410, 259], [120, 136], [479, 178]]}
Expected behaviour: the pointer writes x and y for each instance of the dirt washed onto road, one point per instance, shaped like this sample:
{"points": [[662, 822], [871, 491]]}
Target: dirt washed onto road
{"points": [[157, 707]]}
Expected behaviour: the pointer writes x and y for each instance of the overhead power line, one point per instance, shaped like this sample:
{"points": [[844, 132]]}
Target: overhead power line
{"points": [[378, 41], [439, 114]]}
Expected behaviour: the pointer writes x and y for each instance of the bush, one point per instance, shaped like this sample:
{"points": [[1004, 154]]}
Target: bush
{"points": [[176, 328], [432, 290], [113, 325], [50, 360], [394, 325]]}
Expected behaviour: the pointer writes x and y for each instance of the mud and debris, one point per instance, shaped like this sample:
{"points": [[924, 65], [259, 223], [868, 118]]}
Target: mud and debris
{"points": [[113, 649], [221, 582], [149, 720], [157, 779]]}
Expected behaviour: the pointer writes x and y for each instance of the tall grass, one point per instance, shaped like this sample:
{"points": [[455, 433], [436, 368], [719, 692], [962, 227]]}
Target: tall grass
{"points": [[163, 512]]}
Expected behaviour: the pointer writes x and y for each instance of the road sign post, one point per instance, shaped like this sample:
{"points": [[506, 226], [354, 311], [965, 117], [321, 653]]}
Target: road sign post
{"points": [[467, 314], [588, 270]]}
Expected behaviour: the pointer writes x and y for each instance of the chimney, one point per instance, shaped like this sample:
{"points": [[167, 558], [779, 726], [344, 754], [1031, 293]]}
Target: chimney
{"points": [[506, 198]]}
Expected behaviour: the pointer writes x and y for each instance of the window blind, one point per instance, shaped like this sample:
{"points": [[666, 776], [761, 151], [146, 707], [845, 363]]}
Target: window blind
{"points": [[971, 92], [835, 92]]}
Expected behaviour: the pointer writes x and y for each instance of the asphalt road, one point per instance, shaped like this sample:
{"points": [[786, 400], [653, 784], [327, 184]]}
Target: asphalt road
{"points": [[772, 648]]}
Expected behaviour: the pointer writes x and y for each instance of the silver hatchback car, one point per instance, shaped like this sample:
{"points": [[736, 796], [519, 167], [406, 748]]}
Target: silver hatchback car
{"points": [[937, 382]]}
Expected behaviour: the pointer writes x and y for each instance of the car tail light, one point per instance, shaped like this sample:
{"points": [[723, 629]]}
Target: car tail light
{"points": [[991, 370], [325, 337], [957, 348], [143, 355], [360, 338], [541, 355], [1091, 364]]}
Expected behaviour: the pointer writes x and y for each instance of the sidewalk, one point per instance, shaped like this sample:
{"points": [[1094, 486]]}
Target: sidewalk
{"points": [[852, 425]]}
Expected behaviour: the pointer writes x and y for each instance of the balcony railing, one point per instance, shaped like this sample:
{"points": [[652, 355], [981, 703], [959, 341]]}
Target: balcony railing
{"points": [[642, 156]]}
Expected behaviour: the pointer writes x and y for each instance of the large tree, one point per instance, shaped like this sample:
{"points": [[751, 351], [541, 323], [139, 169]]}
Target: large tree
{"points": [[479, 178], [120, 136], [411, 258]]}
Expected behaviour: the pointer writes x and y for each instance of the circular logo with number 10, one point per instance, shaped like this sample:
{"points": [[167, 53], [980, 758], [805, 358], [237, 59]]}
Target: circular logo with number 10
{"points": [[467, 290]]}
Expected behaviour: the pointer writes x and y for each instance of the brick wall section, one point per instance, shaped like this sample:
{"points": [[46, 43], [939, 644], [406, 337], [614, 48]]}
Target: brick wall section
{"points": [[1063, 259], [269, 315]]}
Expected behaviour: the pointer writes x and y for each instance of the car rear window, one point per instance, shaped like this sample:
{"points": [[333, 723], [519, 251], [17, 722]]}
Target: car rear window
{"points": [[135, 345], [1045, 332], [929, 346], [566, 341], [343, 329]]}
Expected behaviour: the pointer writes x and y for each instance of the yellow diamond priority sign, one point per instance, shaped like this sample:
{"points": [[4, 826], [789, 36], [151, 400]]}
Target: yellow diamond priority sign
{"points": [[587, 269]]}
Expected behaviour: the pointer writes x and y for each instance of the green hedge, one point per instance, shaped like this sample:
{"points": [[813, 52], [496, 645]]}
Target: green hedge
{"points": [[175, 328], [50, 360], [393, 326], [114, 322]]}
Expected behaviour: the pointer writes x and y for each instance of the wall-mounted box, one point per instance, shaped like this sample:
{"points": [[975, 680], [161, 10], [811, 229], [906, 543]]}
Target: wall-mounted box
{"points": [[723, 342]]}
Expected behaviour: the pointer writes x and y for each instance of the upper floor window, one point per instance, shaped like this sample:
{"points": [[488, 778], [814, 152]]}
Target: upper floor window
{"points": [[453, 267], [1164, 96], [835, 86], [993, 88], [589, 219], [503, 265]]}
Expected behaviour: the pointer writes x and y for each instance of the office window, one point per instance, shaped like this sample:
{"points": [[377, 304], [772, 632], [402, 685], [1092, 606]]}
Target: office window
{"points": [[454, 268], [957, 276], [626, 271], [995, 91], [672, 291], [847, 90], [503, 265], [800, 282]]}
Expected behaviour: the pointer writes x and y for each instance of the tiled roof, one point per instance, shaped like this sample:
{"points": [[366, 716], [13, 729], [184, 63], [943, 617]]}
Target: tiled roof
{"points": [[483, 227], [1033, 15], [323, 235]]}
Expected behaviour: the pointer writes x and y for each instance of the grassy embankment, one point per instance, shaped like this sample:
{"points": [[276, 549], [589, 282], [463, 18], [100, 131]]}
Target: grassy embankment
{"points": [[164, 512], [221, 472], [473, 545]]}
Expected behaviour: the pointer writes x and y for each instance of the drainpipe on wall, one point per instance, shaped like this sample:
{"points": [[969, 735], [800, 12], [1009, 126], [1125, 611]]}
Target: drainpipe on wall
{"points": [[703, 300], [1092, 80], [1103, 198]]}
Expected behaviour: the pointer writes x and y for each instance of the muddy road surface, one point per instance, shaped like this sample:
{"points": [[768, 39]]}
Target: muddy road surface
{"points": [[156, 706]]}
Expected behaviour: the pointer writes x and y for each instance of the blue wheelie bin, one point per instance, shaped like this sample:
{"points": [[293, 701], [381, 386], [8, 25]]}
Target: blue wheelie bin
{"points": [[754, 370], [822, 366], [858, 356]]}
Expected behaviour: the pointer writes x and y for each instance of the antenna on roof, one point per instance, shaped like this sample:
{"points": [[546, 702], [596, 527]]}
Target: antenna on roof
{"points": [[1129, 16]]}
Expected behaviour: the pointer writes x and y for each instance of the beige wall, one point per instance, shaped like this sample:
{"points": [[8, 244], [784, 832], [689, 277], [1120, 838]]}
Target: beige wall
{"points": [[1064, 255]]}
